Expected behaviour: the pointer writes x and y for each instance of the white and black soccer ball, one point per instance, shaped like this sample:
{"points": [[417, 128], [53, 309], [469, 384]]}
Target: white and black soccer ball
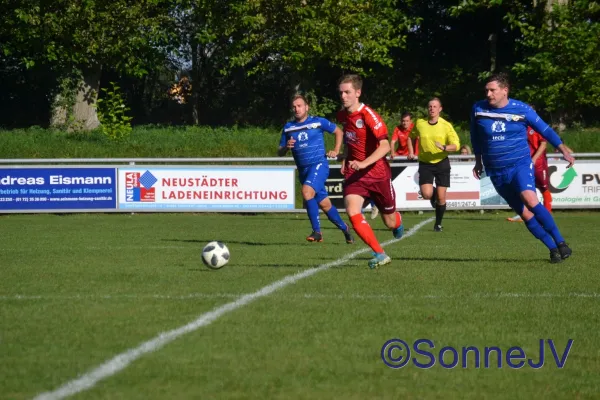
{"points": [[215, 255]]}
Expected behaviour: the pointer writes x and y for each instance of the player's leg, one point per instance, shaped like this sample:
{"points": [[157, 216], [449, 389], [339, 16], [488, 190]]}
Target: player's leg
{"points": [[547, 196], [528, 207], [514, 201], [442, 183], [537, 230], [374, 210], [334, 216], [516, 218], [523, 181], [384, 196], [426, 177], [307, 177], [318, 180], [543, 184], [354, 197]]}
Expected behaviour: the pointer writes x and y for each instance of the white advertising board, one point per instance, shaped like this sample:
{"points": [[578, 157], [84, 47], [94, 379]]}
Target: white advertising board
{"points": [[206, 188], [576, 187]]}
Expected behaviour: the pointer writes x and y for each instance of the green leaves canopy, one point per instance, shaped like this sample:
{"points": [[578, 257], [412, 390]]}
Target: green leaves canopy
{"points": [[65, 33]]}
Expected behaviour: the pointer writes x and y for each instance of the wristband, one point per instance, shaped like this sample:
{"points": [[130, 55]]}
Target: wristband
{"points": [[444, 147]]}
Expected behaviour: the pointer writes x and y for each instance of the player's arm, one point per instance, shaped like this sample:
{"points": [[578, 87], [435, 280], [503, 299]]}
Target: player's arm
{"points": [[379, 130], [476, 143], [413, 135], [411, 149], [540, 150], [380, 152], [478, 168], [339, 140], [285, 144], [393, 144], [452, 141], [549, 134], [330, 127]]}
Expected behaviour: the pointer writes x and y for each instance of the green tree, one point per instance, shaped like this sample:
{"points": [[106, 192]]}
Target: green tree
{"points": [[77, 39], [561, 66], [302, 37]]}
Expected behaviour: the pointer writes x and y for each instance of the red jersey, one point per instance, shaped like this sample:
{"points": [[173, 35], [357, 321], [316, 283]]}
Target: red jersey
{"points": [[402, 137], [534, 139], [363, 129]]}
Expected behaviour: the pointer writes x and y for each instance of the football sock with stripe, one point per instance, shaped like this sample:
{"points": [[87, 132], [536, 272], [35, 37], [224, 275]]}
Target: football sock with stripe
{"points": [[364, 231]]}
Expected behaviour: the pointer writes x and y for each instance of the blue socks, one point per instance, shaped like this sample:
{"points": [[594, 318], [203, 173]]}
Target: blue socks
{"points": [[543, 216], [312, 208], [334, 216], [536, 230]]}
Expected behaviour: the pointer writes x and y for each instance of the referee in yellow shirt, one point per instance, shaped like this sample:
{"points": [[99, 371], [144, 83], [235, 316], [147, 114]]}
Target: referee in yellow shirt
{"points": [[437, 138]]}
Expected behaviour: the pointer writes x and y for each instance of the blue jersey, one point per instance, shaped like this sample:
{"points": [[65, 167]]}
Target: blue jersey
{"points": [[309, 148], [499, 135]]}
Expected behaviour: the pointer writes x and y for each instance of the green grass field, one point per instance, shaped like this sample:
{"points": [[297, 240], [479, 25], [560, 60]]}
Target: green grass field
{"points": [[78, 290]]}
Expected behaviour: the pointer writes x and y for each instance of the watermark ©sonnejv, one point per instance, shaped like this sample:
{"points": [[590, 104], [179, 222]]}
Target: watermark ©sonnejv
{"points": [[396, 353]]}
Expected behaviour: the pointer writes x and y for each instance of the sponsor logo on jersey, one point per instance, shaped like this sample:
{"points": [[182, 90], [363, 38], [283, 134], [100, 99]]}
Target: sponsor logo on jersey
{"points": [[499, 126], [350, 136]]}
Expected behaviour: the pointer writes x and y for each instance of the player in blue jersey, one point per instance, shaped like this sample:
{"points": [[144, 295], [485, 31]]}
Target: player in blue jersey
{"points": [[304, 136], [499, 139]]}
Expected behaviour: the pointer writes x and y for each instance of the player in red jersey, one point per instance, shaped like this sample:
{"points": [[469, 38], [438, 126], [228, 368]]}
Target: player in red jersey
{"points": [[401, 135], [537, 149], [367, 174]]}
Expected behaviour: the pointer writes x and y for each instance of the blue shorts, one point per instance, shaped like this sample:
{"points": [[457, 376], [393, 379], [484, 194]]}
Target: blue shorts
{"points": [[315, 176], [510, 182]]}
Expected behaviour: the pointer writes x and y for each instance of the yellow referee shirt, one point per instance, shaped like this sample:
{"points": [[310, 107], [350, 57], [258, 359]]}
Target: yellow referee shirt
{"points": [[428, 134]]}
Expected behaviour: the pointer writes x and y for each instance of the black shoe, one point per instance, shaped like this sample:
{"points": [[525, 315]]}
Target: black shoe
{"points": [[315, 237], [555, 256], [564, 250], [348, 236], [437, 228], [433, 199]]}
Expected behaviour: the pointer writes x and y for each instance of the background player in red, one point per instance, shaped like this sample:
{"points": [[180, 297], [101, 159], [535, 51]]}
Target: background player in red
{"points": [[367, 174], [537, 149], [401, 136]]}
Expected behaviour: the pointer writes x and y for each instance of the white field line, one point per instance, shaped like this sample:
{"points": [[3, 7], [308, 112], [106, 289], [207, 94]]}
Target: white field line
{"points": [[121, 361], [340, 296]]}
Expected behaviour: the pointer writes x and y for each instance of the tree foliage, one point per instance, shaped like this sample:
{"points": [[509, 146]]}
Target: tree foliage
{"points": [[561, 66], [245, 57], [65, 33], [299, 34]]}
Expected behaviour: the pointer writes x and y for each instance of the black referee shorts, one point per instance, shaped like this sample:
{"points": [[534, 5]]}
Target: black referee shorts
{"points": [[439, 171]]}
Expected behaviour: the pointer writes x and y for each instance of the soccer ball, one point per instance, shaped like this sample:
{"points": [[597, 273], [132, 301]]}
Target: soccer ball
{"points": [[215, 255]]}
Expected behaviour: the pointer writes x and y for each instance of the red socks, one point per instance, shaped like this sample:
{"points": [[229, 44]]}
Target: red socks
{"points": [[547, 200], [363, 229], [398, 220]]}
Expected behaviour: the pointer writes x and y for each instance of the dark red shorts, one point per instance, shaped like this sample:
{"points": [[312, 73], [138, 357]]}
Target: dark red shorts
{"points": [[381, 192], [541, 176]]}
